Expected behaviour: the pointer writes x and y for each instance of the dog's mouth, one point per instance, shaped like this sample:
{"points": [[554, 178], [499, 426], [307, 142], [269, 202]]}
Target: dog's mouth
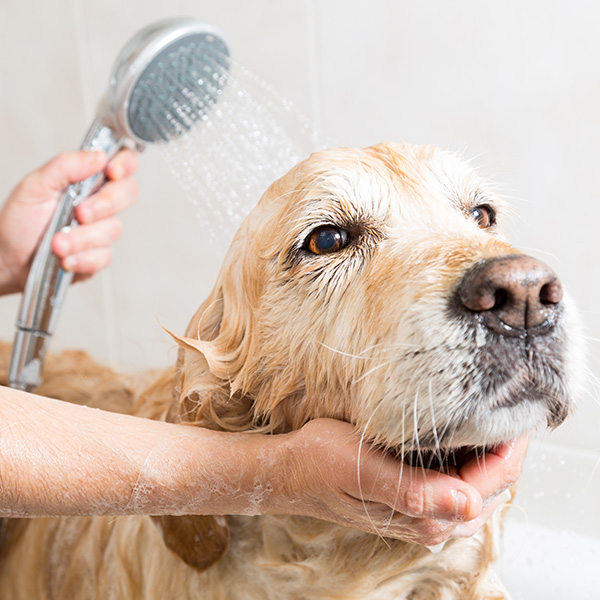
{"points": [[452, 460]]}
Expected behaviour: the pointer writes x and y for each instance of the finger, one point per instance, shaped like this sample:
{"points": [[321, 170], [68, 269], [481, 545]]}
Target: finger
{"points": [[471, 527], [417, 492], [72, 241], [426, 532], [87, 263], [65, 169], [496, 471], [379, 519], [112, 198], [122, 165]]}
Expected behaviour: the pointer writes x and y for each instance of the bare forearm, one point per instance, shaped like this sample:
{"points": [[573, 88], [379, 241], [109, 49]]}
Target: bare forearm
{"points": [[62, 459]]}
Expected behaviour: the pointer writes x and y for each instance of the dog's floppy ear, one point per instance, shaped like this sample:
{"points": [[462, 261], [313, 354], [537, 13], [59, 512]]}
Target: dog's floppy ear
{"points": [[198, 540], [217, 358]]}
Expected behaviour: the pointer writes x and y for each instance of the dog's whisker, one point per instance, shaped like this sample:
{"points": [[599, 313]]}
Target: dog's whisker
{"points": [[434, 430], [591, 385], [480, 458], [349, 354], [385, 348], [401, 473], [358, 473], [449, 426], [382, 347], [373, 370], [416, 443], [589, 338], [591, 376]]}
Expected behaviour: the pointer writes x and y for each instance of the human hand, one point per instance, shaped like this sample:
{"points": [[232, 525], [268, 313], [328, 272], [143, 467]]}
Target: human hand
{"points": [[335, 477], [84, 250]]}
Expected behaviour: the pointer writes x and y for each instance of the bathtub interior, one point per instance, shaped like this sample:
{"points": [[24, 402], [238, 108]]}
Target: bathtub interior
{"points": [[551, 540]]}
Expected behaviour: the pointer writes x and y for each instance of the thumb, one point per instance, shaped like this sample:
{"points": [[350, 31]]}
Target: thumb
{"points": [[68, 168]]}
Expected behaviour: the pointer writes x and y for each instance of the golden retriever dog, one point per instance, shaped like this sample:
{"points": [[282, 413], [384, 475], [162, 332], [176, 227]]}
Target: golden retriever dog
{"points": [[370, 285]]}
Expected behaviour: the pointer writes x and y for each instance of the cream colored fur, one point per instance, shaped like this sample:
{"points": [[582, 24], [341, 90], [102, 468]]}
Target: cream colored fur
{"points": [[363, 335]]}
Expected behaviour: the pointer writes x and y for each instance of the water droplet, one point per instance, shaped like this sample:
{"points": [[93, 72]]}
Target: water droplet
{"points": [[480, 338], [227, 156]]}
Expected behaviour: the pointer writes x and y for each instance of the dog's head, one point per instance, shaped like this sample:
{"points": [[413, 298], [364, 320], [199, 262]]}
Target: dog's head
{"points": [[376, 286]]}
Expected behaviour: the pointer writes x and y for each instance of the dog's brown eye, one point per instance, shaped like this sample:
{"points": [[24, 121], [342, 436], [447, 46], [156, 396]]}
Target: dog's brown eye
{"points": [[484, 215], [327, 239]]}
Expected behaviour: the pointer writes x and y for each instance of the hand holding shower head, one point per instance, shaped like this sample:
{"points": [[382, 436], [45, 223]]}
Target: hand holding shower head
{"points": [[166, 78]]}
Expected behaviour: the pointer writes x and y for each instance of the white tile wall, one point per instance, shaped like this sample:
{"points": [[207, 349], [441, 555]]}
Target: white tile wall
{"points": [[514, 84]]}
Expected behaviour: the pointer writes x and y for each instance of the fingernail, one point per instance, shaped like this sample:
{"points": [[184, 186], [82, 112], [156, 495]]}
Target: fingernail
{"points": [[85, 213], [117, 172], [460, 504], [502, 496], [61, 246], [69, 263], [91, 157], [466, 529]]}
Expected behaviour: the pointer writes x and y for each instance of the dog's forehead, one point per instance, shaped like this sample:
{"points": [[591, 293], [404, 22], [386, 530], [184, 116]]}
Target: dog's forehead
{"points": [[376, 181]]}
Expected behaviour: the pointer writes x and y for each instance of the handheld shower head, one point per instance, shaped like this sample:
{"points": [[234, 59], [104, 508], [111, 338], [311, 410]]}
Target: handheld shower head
{"points": [[166, 78]]}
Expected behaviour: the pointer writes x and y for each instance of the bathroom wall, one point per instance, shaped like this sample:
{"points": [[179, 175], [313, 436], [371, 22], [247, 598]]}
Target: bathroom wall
{"points": [[514, 85]]}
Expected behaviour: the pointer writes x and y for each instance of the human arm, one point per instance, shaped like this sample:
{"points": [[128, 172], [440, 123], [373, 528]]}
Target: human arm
{"points": [[64, 459], [27, 211]]}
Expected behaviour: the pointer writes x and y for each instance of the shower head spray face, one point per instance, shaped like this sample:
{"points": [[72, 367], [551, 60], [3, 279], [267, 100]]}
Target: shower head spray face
{"points": [[167, 78]]}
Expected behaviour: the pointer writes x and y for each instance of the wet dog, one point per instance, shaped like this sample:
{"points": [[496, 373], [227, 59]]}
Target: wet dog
{"points": [[370, 285]]}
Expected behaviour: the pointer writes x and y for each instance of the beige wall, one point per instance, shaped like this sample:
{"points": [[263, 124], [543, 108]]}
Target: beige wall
{"points": [[515, 85]]}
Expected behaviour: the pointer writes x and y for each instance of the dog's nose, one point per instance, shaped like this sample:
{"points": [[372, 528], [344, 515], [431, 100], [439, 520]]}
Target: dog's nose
{"points": [[512, 294]]}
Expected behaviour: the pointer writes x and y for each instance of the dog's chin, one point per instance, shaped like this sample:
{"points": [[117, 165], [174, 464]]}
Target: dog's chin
{"points": [[451, 460], [485, 433]]}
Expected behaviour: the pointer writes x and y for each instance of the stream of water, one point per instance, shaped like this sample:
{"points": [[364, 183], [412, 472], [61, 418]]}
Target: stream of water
{"points": [[250, 137]]}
